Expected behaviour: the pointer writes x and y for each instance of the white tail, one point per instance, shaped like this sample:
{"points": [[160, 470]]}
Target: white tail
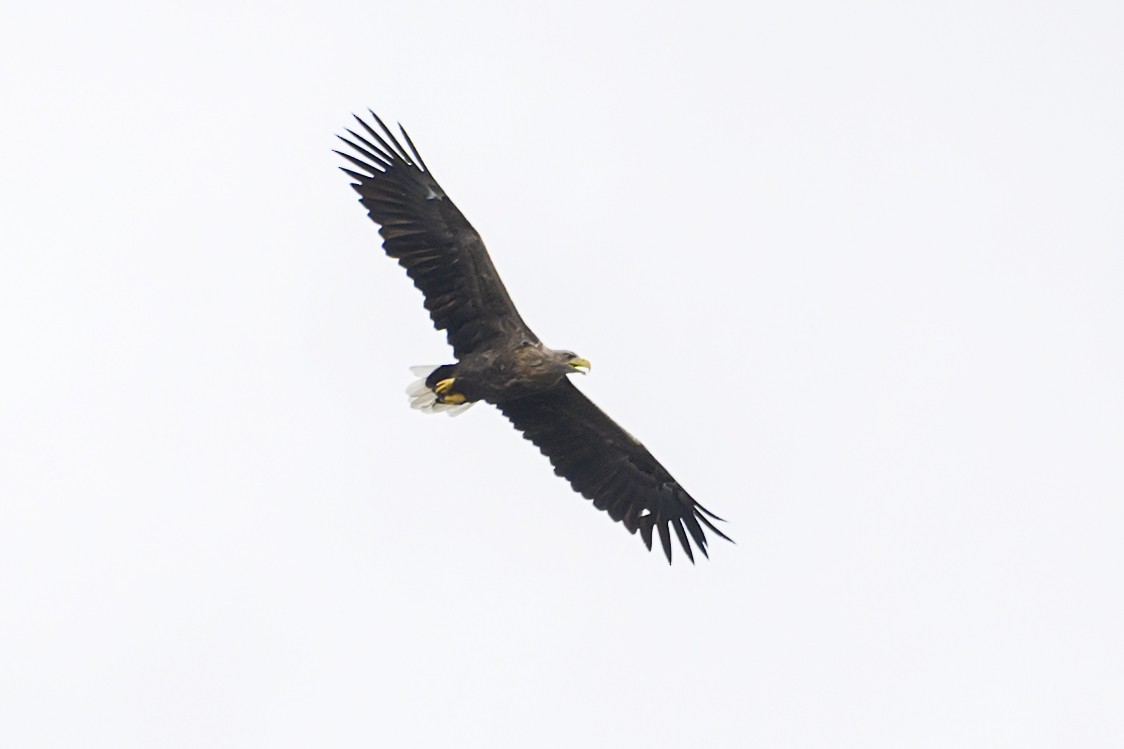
{"points": [[424, 399]]}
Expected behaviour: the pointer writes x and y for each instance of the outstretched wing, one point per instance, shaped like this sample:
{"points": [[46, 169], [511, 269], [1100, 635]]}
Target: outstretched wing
{"points": [[609, 466], [432, 240]]}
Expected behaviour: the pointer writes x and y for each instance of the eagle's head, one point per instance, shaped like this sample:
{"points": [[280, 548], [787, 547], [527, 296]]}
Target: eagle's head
{"points": [[567, 362]]}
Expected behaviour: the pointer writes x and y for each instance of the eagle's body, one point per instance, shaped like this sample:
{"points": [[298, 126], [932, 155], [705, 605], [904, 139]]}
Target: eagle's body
{"points": [[499, 360], [513, 370]]}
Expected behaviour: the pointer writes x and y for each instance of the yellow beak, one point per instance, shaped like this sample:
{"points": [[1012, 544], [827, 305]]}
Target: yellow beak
{"points": [[582, 365]]}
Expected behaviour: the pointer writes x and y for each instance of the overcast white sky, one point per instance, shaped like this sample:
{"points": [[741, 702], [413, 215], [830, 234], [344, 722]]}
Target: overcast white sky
{"points": [[854, 274]]}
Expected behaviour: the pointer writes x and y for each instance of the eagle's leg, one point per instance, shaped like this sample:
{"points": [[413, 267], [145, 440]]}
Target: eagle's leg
{"points": [[433, 392], [445, 394]]}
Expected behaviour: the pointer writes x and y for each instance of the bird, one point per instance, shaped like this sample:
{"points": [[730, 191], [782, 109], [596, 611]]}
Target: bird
{"points": [[499, 359]]}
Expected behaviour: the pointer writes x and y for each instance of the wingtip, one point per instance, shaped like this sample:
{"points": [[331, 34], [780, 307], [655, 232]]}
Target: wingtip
{"points": [[413, 149], [708, 512], [681, 534], [665, 537]]}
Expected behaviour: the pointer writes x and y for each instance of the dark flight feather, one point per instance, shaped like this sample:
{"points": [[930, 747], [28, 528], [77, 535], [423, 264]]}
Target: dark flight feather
{"points": [[586, 446], [433, 241]]}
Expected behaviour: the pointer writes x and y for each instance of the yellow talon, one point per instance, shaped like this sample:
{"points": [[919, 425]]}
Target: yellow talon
{"points": [[444, 386], [453, 398]]}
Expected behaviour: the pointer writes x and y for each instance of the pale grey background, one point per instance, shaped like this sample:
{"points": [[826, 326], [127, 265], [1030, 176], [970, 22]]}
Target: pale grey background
{"points": [[853, 273]]}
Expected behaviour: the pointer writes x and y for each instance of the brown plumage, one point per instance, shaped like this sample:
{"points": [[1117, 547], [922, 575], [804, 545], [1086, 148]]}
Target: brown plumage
{"points": [[499, 359]]}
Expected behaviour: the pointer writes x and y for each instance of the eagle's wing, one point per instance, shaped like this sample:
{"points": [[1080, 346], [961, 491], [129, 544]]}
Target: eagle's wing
{"points": [[432, 240], [609, 466]]}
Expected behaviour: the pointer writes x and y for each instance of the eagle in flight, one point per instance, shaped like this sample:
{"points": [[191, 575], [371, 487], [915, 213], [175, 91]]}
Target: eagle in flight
{"points": [[499, 360]]}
